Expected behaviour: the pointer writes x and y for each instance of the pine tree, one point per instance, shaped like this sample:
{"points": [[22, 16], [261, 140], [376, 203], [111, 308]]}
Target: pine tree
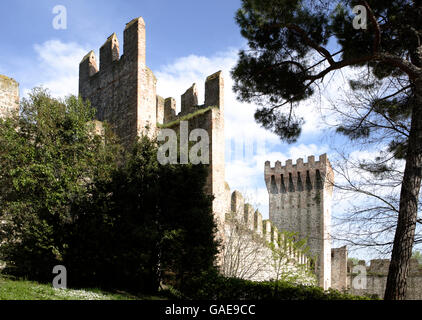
{"points": [[279, 70]]}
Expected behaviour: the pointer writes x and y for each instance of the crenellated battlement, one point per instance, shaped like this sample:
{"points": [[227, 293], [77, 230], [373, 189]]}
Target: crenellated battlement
{"points": [[109, 52], [214, 97], [123, 92], [246, 215], [298, 177], [189, 100], [372, 279], [380, 267], [134, 51], [123, 88], [299, 165]]}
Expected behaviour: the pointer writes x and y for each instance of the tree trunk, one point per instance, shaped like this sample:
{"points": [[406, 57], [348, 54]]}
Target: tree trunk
{"points": [[405, 231]]}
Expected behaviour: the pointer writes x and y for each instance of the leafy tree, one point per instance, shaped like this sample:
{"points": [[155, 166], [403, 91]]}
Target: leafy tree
{"points": [[49, 156], [289, 52], [150, 221], [245, 253], [115, 218], [353, 261]]}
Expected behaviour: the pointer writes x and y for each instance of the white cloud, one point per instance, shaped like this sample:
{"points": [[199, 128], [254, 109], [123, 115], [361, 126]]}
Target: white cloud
{"points": [[57, 67]]}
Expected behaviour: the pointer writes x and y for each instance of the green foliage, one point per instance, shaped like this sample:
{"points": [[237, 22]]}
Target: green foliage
{"points": [[49, 159], [354, 261], [187, 117], [155, 220], [114, 218], [212, 286], [288, 54], [15, 289], [280, 260]]}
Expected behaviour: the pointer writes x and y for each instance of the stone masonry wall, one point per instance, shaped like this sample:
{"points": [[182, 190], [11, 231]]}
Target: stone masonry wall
{"points": [[123, 89], [376, 279], [247, 249], [300, 201], [210, 117], [9, 96], [339, 268]]}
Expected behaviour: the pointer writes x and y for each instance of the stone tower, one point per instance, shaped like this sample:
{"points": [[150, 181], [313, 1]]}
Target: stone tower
{"points": [[9, 96], [123, 88], [210, 117], [123, 92], [300, 198]]}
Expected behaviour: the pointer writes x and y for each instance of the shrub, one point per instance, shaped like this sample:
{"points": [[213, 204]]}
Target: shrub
{"points": [[213, 286]]}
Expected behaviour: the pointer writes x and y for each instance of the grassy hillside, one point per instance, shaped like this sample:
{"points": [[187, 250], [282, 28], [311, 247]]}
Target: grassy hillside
{"points": [[28, 290]]}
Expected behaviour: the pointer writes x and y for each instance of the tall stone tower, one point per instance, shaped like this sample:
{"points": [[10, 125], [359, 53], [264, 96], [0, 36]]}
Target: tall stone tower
{"points": [[123, 92], [123, 89], [300, 198], [9, 96]]}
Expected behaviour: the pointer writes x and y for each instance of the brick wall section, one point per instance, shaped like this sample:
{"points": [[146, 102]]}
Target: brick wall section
{"points": [[300, 198], [160, 109], [9, 96], [169, 110]]}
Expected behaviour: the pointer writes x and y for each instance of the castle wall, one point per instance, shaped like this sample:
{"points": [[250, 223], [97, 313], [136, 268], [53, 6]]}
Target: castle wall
{"points": [[189, 100], [339, 268], [9, 96], [300, 201], [169, 111], [376, 279], [123, 90], [160, 109], [209, 117], [247, 250]]}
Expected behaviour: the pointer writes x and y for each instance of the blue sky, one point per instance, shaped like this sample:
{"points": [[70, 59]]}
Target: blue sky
{"points": [[175, 28], [186, 41]]}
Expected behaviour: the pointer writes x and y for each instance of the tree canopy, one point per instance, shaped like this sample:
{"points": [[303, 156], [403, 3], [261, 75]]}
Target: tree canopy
{"points": [[294, 45]]}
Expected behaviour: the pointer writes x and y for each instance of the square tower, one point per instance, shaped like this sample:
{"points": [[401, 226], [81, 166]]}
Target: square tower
{"points": [[123, 92], [123, 89], [300, 198]]}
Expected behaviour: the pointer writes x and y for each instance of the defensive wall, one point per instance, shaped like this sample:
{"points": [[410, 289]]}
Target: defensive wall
{"points": [[300, 199], [256, 250], [374, 278]]}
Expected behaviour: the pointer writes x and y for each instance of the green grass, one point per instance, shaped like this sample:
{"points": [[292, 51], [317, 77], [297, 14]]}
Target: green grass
{"points": [[28, 290]]}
